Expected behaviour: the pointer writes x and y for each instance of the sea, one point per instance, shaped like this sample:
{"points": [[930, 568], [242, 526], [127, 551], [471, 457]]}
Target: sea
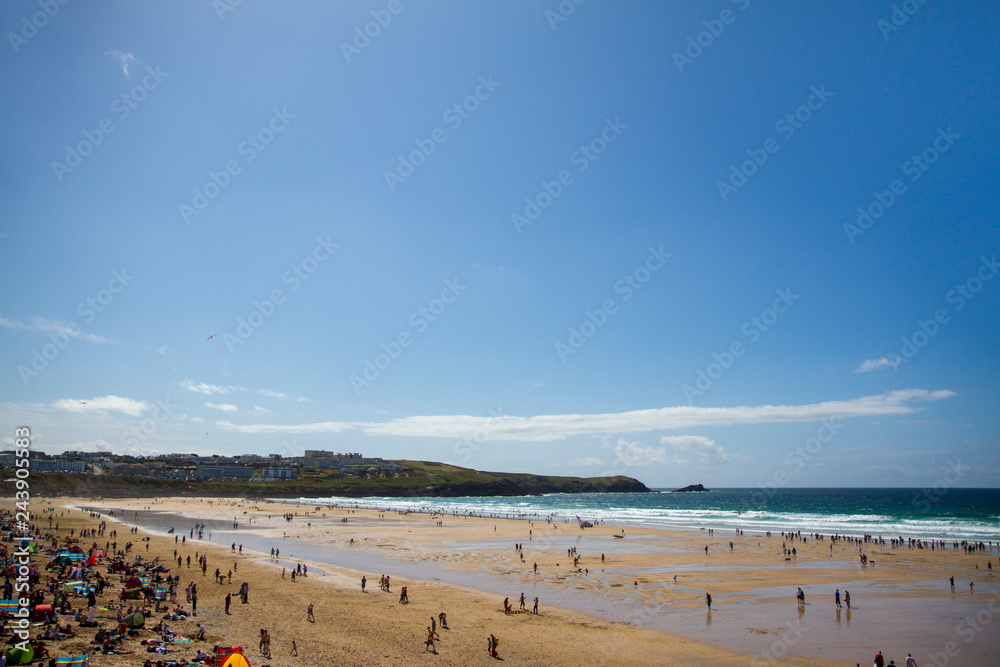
{"points": [[950, 514]]}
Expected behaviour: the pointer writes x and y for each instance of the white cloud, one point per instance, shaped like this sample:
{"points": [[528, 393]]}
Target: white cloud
{"points": [[633, 454], [270, 393], [42, 325], [257, 410], [225, 407], [545, 428], [197, 419], [103, 405], [208, 389], [162, 349], [704, 447], [869, 365]]}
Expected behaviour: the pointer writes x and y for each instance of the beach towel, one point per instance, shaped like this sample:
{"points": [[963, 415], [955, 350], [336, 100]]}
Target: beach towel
{"points": [[78, 661]]}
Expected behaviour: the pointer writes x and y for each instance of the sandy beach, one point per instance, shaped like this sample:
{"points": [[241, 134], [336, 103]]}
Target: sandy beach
{"points": [[643, 603]]}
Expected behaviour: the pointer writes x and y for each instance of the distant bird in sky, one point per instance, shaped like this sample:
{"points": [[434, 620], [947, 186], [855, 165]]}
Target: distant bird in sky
{"points": [[212, 336]]}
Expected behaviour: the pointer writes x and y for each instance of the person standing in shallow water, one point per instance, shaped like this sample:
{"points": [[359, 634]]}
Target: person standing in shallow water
{"points": [[708, 600]]}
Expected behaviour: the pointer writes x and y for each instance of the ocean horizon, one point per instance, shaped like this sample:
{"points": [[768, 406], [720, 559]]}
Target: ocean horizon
{"points": [[917, 513]]}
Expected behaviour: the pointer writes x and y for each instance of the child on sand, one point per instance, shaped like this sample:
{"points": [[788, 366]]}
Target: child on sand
{"points": [[491, 645]]}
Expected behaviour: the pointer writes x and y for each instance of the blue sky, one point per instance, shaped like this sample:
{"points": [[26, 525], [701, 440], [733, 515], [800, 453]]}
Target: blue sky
{"points": [[623, 238]]}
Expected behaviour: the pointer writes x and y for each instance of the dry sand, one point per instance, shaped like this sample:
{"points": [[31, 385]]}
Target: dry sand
{"points": [[752, 585]]}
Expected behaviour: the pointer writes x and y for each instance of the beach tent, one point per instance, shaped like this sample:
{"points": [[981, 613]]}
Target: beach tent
{"points": [[236, 660], [92, 561], [133, 582], [78, 661], [135, 620], [223, 654], [41, 612], [20, 656], [62, 560]]}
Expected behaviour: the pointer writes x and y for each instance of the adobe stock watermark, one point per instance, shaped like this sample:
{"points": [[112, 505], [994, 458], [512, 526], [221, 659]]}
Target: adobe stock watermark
{"points": [[581, 158], [752, 329], [562, 12], [959, 297], [248, 150], [363, 35], [968, 629], [296, 274], [454, 116], [695, 45], [144, 430], [630, 283], [926, 498], [419, 322], [62, 334], [786, 126], [475, 439], [797, 458], [915, 167], [898, 17], [121, 108], [40, 19], [223, 7], [779, 647]]}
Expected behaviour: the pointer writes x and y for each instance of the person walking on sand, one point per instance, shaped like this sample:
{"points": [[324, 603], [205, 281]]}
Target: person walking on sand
{"points": [[522, 601], [429, 642], [229, 600], [708, 600], [309, 614], [403, 597], [491, 645], [879, 660], [364, 582], [836, 597], [910, 662], [295, 649], [265, 643], [535, 609], [847, 599]]}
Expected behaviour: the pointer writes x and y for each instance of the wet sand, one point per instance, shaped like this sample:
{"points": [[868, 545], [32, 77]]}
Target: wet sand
{"points": [[629, 609]]}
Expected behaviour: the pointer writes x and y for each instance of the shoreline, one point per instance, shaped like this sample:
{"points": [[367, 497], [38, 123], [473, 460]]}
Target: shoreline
{"points": [[756, 587]]}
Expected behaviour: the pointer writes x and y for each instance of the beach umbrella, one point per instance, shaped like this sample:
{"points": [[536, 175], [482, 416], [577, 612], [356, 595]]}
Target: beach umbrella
{"points": [[20, 656]]}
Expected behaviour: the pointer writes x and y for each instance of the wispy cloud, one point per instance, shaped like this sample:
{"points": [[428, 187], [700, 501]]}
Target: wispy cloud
{"points": [[43, 325], [102, 405], [587, 462], [257, 410], [225, 407], [125, 59], [869, 365], [700, 445], [208, 389], [272, 394], [280, 395], [197, 420], [558, 427]]}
